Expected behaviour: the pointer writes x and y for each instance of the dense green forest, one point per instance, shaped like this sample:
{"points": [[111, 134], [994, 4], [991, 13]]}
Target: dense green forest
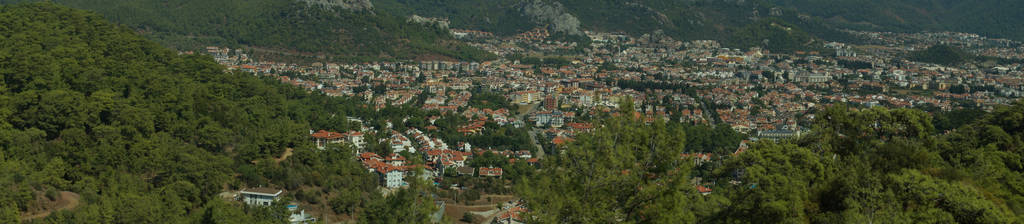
{"points": [[280, 28], [871, 165], [953, 56], [941, 54], [728, 21], [145, 135], [772, 34], [625, 172]]}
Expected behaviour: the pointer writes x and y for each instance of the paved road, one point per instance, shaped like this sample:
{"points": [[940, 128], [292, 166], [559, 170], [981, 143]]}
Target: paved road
{"points": [[533, 131], [533, 138]]}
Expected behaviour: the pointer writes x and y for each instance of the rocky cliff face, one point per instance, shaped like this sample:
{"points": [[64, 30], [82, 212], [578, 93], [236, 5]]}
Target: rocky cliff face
{"points": [[354, 5], [440, 23], [551, 13]]}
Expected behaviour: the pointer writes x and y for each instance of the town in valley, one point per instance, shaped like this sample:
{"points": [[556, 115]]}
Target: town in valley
{"points": [[477, 123]]}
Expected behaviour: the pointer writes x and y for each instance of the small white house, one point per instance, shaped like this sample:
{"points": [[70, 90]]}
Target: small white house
{"points": [[356, 138], [260, 196]]}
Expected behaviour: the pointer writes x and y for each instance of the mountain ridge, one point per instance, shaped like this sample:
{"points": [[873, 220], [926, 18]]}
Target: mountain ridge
{"points": [[370, 30], [306, 27]]}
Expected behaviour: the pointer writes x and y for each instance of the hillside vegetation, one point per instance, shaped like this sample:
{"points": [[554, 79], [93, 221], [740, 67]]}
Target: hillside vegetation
{"points": [[994, 18], [145, 135], [732, 22], [941, 54], [869, 166]]}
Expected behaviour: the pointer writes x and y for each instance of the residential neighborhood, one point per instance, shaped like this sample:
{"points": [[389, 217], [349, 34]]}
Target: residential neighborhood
{"points": [[512, 111], [756, 93]]}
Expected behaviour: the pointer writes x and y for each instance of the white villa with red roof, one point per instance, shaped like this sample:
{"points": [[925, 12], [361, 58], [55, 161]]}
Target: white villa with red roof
{"points": [[490, 172], [392, 169], [322, 138]]}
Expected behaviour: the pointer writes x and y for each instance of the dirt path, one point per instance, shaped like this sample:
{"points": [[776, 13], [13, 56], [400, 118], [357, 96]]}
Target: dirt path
{"points": [[287, 152], [68, 200], [487, 210], [490, 218]]}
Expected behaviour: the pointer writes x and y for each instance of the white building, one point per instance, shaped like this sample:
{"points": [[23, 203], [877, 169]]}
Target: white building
{"points": [[400, 143], [393, 178], [356, 138], [260, 196], [322, 138]]}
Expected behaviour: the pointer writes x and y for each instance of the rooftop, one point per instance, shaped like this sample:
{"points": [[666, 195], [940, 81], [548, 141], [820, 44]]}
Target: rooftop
{"points": [[262, 191]]}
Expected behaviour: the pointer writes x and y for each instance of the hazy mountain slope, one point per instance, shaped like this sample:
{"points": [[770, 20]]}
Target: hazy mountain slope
{"points": [[997, 18], [290, 27], [727, 21]]}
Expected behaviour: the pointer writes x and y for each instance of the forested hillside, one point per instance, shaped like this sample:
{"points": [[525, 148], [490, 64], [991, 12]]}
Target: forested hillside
{"points": [[499, 16], [291, 28], [145, 135], [735, 23], [280, 27], [858, 166], [995, 18], [133, 132], [730, 21], [941, 54]]}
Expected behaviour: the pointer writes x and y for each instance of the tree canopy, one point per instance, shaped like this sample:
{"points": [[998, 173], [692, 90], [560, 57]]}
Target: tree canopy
{"points": [[857, 166], [623, 172], [146, 135]]}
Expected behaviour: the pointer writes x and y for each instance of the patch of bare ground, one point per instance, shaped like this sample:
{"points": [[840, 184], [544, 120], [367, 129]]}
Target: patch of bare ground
{"points": [[44, 206], [455, 211]]}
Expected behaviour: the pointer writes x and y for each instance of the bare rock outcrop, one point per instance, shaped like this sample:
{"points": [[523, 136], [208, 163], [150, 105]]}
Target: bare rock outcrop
{"points": [[552, 14]]}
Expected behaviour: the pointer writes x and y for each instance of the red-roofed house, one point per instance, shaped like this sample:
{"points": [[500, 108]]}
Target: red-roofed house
{"points": [[396, 160], [392, 176], [490, 172], [561, 140], [703, 190], [322, 138], [742, 148], [512, 216]]}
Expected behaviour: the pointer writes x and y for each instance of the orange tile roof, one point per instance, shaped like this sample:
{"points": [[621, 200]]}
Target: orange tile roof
{"points": [[327, 135]]}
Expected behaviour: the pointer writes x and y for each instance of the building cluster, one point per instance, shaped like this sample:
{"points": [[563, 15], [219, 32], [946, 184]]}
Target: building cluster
{"points": [[392, 169], [754, 90], [764, 94], [437, 156], [512, 213]]}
